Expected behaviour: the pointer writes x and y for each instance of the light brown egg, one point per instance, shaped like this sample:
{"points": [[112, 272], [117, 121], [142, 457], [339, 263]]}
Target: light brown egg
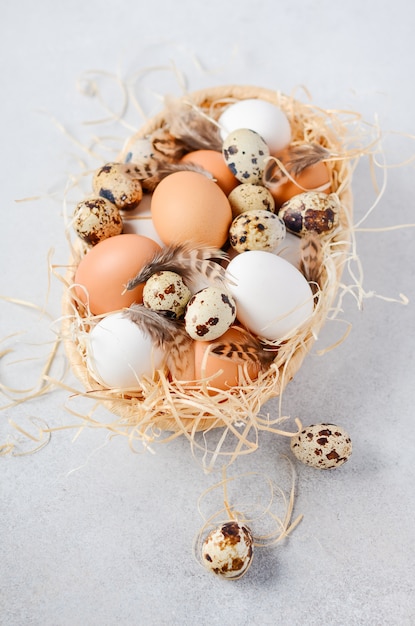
{"points": [[213, 162], [104, 271], [189, 207]]}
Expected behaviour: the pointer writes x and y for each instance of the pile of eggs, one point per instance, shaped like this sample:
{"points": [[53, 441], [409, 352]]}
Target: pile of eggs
{"points": [[221, 203]]}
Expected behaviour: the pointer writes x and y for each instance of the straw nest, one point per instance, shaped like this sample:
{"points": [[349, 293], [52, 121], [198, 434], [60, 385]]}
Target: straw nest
{"points": [[160, 405]]}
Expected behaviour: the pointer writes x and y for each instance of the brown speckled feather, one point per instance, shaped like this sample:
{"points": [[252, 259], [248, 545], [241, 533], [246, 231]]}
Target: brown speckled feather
{"points": [[167, 168], [248, 348], [167, 334], [311, 263], [296, 159], [187, 260], [189, 124]]}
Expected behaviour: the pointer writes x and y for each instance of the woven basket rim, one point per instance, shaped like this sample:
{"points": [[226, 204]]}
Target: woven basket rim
{"points": [[135, 413]]}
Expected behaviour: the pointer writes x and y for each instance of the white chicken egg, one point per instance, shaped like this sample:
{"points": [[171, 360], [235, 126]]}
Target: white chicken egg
{"points": [[265, 118], [119, 353], [272, 297]]}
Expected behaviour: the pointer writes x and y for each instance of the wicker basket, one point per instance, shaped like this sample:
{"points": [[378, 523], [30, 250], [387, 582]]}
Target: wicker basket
{"points": [[161, 405]]}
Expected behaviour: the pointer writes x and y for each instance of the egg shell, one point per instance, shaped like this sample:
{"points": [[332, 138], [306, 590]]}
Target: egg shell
{"points": [[228, 550], [311, 211], [119, 353], [245, 153], [249, 197], [214, 163], [166, 291], [264, 117], [96, 219], [256, 230], [311, 178], [272, 297], [209, 313], [189, 207], [224, 373], [323, 446], [118, 183], [106, 268]]}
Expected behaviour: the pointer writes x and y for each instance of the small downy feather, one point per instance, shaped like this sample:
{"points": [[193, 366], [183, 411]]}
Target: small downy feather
{"points": [[187, 260], [191, 126], [311, 263], [248, 348], [167, 334], [297, 159], [168, 145], [167, 168], [304, 155]]}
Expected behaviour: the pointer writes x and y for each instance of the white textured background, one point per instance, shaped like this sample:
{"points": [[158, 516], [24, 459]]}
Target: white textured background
{"points": [[91, 533]]}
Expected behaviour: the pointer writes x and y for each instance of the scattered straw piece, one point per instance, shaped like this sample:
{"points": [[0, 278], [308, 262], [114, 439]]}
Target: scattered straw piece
{"points": [[267, 509]]}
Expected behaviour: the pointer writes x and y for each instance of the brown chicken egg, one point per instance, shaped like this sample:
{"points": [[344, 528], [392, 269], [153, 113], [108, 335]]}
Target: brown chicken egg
{"points": [[189, 207], [106, 268], [214, 163]]}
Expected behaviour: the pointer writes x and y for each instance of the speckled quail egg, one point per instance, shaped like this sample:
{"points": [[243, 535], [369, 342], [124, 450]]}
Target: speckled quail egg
{"points": [[166, 291], [323, 446], [245, 153], [256, 230], [139, 151], [311, 211], [96, 219], [228, 550], [209, 313], [247, 196], [118, 183]]}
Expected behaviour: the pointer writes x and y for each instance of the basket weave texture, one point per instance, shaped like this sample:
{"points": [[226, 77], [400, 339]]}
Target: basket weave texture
{"points": [[164, 405]]}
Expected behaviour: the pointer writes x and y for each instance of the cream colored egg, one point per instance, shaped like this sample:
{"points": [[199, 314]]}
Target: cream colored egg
{"points": [[323, 446], [139, 151], [245, 153], [228, 550], [96, 219], [209, 314], [118, 183], [311, 211], [248, 197], [166, 291], [256, 230]]}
